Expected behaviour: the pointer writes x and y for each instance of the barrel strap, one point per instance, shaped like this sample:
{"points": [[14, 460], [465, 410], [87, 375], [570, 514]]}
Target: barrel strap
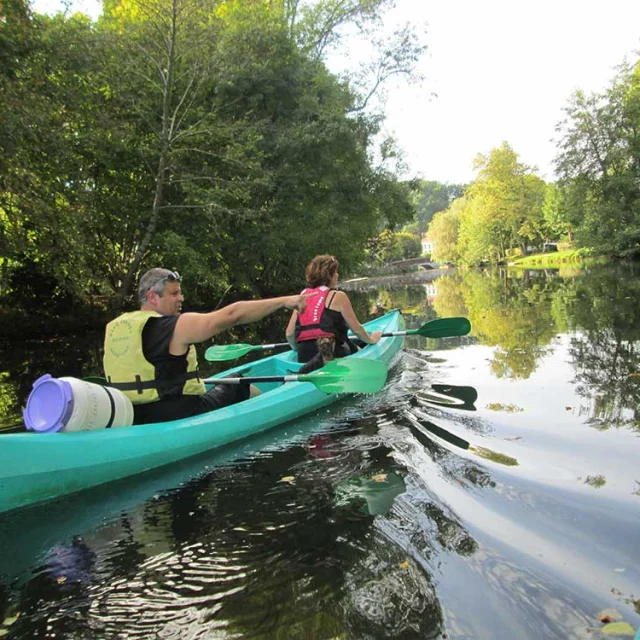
{"points": [[113, 408]]}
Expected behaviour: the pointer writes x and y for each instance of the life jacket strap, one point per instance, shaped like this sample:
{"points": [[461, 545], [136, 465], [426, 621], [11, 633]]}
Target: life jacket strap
{"points": [[140, 385]]}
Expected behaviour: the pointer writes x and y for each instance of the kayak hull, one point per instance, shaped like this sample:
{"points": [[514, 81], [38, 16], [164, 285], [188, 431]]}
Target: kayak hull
{"points": [[37, 467]]}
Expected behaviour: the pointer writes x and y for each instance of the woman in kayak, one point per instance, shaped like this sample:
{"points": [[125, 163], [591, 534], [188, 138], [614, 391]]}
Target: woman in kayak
{"points": [[320, 333]]}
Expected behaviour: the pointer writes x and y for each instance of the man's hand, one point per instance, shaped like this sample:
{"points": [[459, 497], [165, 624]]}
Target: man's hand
{"points": [[375, 337], [299, 303]]}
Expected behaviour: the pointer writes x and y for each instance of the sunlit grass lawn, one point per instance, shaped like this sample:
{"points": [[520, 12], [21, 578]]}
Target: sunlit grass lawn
{"points": [[557, 259]]}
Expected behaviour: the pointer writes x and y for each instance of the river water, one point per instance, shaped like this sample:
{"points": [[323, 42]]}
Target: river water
{"points": [[513, 512]]}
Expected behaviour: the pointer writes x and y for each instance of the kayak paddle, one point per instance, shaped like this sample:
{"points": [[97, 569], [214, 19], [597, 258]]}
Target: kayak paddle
{"points": [[232, 351], [447, 395], [353, 375], [358, 375], [418, 427], [439, 328], [468, 395]]}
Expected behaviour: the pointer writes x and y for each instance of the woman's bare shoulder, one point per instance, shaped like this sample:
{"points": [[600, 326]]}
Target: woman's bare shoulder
{"points": [[339, 299]]}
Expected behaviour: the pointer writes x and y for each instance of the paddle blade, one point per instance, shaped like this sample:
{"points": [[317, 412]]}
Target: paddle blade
{"points": [[346, 375], [224, 352], [468, 395], [443, 328]]}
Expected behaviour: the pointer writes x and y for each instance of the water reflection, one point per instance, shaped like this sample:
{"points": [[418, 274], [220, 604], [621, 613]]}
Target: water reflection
{"points": [[520, 314], [242, 551]]}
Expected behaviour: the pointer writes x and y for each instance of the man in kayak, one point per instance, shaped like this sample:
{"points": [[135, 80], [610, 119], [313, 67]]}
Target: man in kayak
{"points": [[150, 356], [320, 333]]}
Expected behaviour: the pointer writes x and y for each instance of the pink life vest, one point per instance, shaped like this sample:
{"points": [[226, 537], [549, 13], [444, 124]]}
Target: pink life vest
{"points": [[309, 321]]}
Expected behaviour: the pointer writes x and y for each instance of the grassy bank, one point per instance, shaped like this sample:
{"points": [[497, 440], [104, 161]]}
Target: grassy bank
{"points": [[558, 259]]}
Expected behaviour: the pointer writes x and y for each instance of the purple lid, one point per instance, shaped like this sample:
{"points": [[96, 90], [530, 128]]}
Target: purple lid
{"points": [[49, 405]]}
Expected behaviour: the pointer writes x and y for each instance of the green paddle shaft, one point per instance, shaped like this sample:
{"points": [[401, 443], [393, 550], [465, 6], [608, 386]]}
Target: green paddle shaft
{"points": [[439, 328], [355, 375], [224, 352], [358, 375]]}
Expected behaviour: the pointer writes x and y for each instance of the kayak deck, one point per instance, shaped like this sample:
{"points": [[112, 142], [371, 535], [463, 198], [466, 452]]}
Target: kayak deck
{"points": [[40, 466]]}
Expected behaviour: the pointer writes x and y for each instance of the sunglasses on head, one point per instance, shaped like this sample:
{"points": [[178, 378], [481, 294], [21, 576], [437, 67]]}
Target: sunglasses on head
{"points": [[172, 276]]}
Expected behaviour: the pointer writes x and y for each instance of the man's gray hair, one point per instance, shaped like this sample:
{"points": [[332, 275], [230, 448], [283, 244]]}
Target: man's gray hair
{"points": [[153, 280]]}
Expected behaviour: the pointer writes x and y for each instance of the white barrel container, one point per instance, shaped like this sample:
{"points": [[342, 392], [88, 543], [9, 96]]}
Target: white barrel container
{"points": [[71, 404]]}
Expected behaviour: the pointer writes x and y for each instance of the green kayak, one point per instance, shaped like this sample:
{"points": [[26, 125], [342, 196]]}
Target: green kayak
{"points": [[35, 467]]}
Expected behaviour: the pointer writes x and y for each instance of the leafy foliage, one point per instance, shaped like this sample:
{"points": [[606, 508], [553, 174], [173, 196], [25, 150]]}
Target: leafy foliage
{"points": [[390, 246], [444, 231], [599, 165], [431, 197], [505, 208], [205, 136]]}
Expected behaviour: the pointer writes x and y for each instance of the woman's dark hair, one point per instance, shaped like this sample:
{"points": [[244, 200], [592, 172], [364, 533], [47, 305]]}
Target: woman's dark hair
{"points": [[320, 270]]}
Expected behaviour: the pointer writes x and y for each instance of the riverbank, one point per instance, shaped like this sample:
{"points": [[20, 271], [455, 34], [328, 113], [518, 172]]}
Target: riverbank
{"points": [[559, 258]]}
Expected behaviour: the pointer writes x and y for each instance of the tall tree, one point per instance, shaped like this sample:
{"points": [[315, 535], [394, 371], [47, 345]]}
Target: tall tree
{"points": [[599, 164], [432, 197], [444, 231], [505, 208]]}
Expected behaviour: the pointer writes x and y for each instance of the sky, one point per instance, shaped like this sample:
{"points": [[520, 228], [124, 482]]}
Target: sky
{"points": [[501, 70]]}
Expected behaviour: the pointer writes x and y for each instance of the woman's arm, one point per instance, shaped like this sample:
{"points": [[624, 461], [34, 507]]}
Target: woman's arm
{"points": [[342, 304], [291, 330]]}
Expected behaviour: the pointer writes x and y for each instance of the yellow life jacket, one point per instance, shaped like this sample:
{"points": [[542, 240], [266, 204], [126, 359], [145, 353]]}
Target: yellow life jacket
{"points": [[127, 368]]}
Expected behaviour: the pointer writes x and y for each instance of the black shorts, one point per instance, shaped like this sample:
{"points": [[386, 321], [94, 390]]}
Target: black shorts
{"points": [[187, 406], [222, 395]]}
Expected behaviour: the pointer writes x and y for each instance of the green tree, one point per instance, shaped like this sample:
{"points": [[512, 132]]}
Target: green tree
{"points": [[47, 190], [504, 210], [431, 197], [599, 164], [444, 231], [205, 137], [411, 245], [554, 211]]}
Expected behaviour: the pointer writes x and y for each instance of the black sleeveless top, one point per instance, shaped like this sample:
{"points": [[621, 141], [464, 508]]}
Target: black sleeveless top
{"points": [[156, 337]]}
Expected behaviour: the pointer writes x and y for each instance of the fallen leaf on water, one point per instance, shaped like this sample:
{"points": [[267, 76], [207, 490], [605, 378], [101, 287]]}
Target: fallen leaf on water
{"points": [[509, 408], [381, 477], [7, 622], [289, 479], [609, 615], [61, 579], [634, 375], [500, 458], [404, 565], [4, 632], [618, 628], [596, 481], [568, 408]]}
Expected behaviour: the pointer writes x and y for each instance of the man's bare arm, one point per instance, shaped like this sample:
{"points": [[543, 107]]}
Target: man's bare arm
{"points": [[198, 327]]}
